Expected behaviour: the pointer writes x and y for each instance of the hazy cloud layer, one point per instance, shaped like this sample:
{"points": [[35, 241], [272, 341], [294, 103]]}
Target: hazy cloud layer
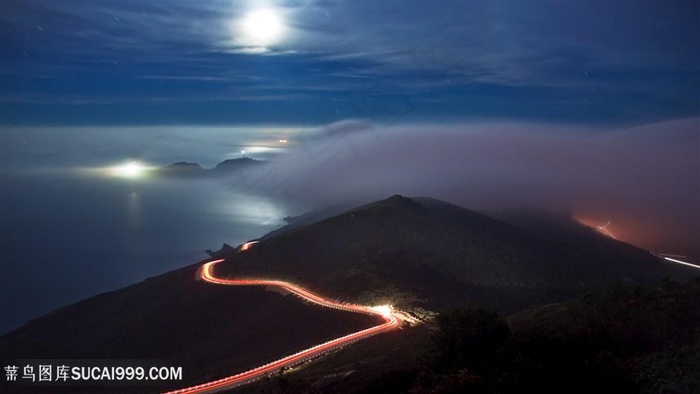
{"points": [[645, 179]]}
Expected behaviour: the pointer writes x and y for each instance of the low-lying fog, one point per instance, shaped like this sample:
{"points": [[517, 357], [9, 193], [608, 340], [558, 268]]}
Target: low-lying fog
{"points": [[68, 232]]}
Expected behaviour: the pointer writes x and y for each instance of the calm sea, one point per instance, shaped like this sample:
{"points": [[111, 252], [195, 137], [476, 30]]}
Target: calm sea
{"points": [[67, 234]]}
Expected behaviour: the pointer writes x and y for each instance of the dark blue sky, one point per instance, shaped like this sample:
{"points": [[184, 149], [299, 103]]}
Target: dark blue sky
{"points": [[191, 62]]}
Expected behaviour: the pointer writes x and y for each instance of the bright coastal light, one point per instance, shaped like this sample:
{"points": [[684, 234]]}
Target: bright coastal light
{"points": [[262, 27], [383, 309], [132, 169]]}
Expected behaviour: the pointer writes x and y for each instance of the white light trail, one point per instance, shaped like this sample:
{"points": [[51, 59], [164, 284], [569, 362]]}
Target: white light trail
{"points": [[385, 310], [681, 262]]}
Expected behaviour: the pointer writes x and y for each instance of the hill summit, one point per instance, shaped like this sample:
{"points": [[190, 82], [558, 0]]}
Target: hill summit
{"points": [[426, 252]]}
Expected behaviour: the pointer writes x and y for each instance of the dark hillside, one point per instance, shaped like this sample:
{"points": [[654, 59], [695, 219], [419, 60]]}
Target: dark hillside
{"points": [[614, 256], [430, 253], [409, 252], [625, 339]]}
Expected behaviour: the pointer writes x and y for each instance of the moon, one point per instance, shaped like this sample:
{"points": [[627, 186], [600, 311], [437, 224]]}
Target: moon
{"points": [[262, 27]]}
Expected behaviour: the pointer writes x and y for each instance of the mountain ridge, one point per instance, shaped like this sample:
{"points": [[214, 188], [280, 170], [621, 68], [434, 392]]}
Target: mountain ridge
{"points": [[401, 244], [229, 167]]}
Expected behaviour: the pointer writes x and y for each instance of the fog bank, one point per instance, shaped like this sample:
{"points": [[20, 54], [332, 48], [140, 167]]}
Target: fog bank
{"points": [[645, 179]]}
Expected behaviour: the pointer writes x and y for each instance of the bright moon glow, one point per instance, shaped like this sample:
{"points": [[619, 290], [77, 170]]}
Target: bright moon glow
{"points": [[262, 27], [131, 169]]}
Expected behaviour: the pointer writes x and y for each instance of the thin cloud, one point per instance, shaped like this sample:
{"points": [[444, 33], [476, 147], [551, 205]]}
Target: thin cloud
{"points": [[586, 62], [485, 42]]}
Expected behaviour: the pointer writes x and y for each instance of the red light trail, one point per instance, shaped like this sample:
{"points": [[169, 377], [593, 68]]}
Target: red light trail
{"points": [[391, 322]]}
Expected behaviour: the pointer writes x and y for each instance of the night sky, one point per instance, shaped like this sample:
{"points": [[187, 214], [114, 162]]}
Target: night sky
{"points": [[76, 62], [591, 107]]}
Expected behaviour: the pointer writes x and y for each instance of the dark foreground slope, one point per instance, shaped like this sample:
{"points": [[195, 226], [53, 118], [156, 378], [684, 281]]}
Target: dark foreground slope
{"points": [[210, 330], [638, 339], [423, 252], [625, 339]]}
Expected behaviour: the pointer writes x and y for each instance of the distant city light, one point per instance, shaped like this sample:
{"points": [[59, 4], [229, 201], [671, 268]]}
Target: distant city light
{"points": [[603, 229], [270, 148]]}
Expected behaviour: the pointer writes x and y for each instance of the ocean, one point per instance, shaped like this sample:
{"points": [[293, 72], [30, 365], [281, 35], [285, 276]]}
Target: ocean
{"points": [[68, 233]]}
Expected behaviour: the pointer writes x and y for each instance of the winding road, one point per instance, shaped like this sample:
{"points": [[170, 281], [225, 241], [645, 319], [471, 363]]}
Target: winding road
{"points": [[391, 322]]}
